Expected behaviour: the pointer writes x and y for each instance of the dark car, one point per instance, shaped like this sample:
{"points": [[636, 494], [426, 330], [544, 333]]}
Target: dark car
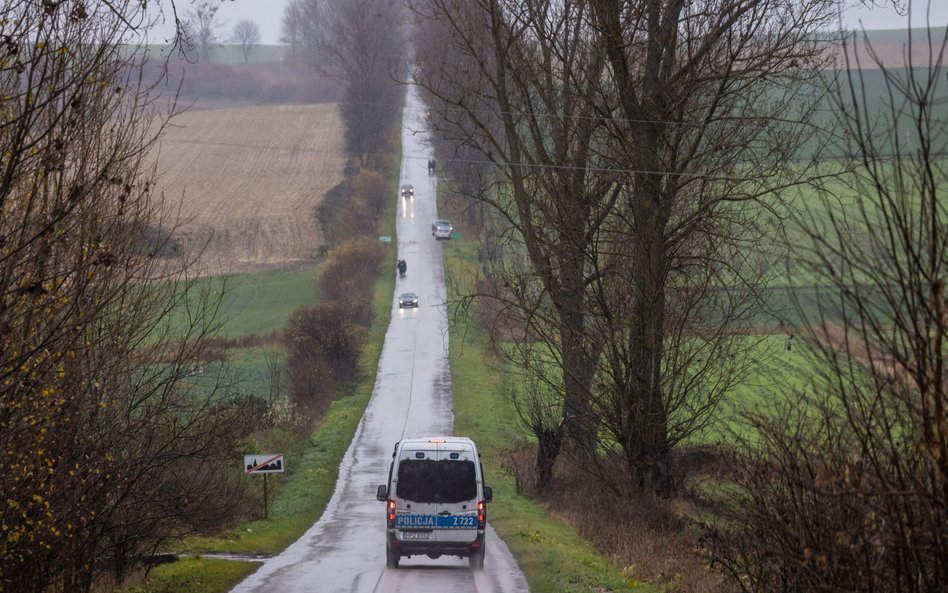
{"points": [[407, 299], [408, 191]]}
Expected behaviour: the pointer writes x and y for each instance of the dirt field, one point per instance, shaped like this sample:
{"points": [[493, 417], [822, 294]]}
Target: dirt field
{"points": [[250, 178]]}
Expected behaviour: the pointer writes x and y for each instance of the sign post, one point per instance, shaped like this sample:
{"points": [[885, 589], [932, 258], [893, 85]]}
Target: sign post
{"points": [[264, 463]]}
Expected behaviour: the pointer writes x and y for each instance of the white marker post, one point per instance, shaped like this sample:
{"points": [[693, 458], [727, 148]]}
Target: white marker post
{"points": [[264, 463]]}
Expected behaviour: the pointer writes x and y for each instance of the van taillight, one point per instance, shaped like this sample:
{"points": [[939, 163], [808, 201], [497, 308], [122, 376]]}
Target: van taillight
{"points": [[481, 514], [391, 513]]}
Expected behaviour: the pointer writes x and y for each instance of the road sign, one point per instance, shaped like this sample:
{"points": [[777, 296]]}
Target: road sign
{"points": [[264, 463], [385, 239], [455, 235]]}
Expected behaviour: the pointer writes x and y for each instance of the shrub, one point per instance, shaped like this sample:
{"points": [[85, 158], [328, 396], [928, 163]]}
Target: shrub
{"points": [[323, 344], [370, 190], [349, 274], [824, 504]]}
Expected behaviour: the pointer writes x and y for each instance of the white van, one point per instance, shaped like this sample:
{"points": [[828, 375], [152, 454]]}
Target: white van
{"points": [[436, 500]]}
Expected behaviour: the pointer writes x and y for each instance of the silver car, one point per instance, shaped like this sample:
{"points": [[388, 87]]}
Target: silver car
{"points": [[441, 229]]}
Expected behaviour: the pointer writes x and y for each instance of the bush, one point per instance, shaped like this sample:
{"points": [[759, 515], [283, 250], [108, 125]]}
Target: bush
{"points": [[323, 344], [370, 190], [348, 276], [823, 504]]}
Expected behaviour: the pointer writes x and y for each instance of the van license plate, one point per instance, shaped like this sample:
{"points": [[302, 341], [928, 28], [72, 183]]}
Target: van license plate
{"points": [[416, 534]]}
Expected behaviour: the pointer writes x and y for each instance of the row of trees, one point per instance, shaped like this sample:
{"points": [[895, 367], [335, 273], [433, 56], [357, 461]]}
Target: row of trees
{"points": [[357, 43], [633, 147], [108, 444], [361, 44], [629, 153], [324, 342]]}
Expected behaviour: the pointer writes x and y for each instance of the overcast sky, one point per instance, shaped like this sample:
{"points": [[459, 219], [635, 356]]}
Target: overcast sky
{"points": [[267, 14]]}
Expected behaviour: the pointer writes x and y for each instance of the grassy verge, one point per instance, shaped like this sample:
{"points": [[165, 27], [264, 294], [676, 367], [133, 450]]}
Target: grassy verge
{"points": [[194, 575], [552, 556]]}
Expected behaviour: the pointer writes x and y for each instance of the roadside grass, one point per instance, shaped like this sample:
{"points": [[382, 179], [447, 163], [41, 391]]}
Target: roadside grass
{"points": [[194, 575], [302, 494], [553, 557]]}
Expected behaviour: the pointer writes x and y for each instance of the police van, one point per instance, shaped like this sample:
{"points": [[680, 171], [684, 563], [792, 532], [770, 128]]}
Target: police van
{"points": [[436, 500]]}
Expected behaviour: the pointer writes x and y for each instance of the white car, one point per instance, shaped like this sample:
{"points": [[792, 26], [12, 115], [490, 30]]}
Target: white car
{"points": [[435, 500], [441, 229]]}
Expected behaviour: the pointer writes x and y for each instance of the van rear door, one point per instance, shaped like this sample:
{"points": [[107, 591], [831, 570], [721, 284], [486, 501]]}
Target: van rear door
{"points": [[438, 488]]}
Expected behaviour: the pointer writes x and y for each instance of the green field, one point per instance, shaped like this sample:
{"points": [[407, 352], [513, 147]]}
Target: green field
{"points": [[258, 304], [255, 304], [225, 54]]}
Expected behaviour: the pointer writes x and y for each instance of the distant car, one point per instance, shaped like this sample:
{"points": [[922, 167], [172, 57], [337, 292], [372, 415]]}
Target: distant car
{"points": [[408, 191], [407, 299], [441, 229]]}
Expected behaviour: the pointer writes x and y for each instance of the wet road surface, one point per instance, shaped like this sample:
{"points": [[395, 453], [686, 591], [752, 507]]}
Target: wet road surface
{"points": [[345, 550]]}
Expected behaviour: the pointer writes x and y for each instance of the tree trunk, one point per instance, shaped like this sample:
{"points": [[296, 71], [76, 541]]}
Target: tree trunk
{"points": [[578, 368], [548, 448], [646, 421]]}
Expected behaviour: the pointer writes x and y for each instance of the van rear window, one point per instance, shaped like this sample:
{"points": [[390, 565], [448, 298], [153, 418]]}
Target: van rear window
{"points": [[430, 480]]}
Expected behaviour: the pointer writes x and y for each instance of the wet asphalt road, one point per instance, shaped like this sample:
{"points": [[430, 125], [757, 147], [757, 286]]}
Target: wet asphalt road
{"points": [[345, 550]]}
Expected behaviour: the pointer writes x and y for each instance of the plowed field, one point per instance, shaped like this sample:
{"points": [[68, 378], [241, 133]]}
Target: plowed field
{"points": [[249, 180]]}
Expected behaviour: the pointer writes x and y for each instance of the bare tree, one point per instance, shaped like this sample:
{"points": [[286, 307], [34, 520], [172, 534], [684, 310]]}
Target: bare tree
{"points": [[636, 144], [202, 23], [362, 45], [706, 114], [301, 26], [846, 485], [291, 30], [247, 35], [507, 85], [98, 414]]}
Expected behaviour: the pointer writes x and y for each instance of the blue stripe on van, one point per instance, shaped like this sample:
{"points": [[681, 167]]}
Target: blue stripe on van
{"points": [[406, 521]]}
